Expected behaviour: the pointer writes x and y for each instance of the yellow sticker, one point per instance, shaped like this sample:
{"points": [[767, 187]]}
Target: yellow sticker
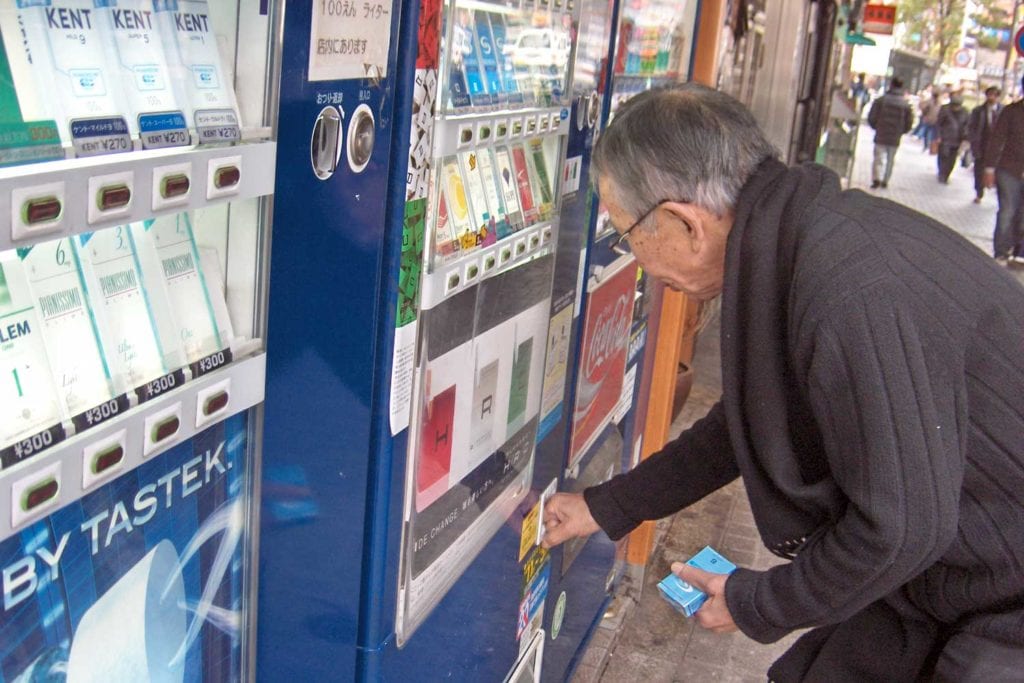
{"points": [[528, 539]]}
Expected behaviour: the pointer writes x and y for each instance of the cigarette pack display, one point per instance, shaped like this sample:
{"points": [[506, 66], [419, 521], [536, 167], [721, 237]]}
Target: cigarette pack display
{"points": [[484, 223], [436, 448], [28, 398], [510, 84], [460, 214], [168, 252], [506, 175], [538, 163], [27, 130], [140, 62], [526, 197], [70, 327], [492, 188], [137, 330], [464, 34], [684, 597], [67, 49], [190, 41], [488, 56], [445, 243], [519, 389]]}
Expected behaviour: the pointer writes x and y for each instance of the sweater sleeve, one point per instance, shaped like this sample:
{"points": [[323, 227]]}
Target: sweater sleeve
{"points": [[889, 403], [996, 141], [699, 462]]}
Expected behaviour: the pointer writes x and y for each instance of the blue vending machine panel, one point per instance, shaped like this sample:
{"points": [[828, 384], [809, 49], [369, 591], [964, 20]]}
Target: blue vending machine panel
{"points": [[450, 592], [133, 314], [333, 278]]}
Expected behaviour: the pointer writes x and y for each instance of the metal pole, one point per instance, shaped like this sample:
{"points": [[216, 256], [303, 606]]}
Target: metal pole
{"points": [[1010, 48]]}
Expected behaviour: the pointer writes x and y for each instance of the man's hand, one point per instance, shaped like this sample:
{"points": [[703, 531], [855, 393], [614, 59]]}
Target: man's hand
{"points": [[566, 516], [714, 613], [989, 179]]}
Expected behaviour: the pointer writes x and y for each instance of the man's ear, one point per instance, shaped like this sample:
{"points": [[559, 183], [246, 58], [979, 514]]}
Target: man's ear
{"points": [[691, 220]]}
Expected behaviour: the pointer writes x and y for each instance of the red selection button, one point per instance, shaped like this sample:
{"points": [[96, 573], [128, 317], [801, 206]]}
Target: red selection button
{"points": [[41, 210], [226, 176], [113, 197], [215, 403], [175, 185], [39, 494], [165, 429], [108, 458]]}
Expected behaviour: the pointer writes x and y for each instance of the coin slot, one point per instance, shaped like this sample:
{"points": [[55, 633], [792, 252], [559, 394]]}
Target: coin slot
{"points": [[39, 494], [175, 185], [594, 109], [226, 176], [361, 138], [41, 210], [325, 143], [107, 458]]}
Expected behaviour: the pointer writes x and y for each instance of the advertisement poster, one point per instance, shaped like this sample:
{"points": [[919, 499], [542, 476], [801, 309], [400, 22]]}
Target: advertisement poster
{"points": [[141, 579], [555, 367], [476, 424], [603, 350]]}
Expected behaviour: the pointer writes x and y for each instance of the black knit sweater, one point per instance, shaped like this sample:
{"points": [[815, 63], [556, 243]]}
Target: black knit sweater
{"points": [[873, 402]]}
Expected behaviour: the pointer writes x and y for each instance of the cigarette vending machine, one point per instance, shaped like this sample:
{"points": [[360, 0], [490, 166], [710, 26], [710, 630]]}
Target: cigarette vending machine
{"points": [[604, 329], [137, 159]]}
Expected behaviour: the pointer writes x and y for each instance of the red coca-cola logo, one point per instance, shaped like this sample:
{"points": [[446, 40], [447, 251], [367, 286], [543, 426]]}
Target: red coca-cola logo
{"points": [[608, 336]]}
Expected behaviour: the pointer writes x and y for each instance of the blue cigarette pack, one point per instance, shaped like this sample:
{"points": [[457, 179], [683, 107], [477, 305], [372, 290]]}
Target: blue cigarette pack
{"points": [[684, 597]]}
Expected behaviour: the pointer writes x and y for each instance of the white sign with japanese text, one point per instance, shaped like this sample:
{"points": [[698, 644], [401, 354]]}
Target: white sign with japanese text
{"points": [[349, 39]]}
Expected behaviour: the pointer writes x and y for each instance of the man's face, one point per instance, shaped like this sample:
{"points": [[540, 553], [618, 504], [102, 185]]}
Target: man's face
{"points": [[991, 97], [679, 244]]}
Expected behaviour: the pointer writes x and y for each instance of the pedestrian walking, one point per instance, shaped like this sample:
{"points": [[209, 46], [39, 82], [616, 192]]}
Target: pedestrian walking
{"points": [[871, 402], [929, 108], [952, 126], [979, 125], [1004, 170], [891, 117]]}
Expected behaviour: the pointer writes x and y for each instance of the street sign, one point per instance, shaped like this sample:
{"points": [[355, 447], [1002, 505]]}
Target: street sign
{"points": [[1018, 41], [879, 19], [962, 58]]}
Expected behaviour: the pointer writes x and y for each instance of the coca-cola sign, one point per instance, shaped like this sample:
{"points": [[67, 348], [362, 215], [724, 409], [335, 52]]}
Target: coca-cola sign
{"points": [[603, 354]]}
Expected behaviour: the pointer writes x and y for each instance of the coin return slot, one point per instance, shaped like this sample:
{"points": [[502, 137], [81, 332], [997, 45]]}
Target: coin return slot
{"points": [[165, 429], [41, 210], [226, 176], [176, 185], [215, 403], [489, 263], [39, 494], [113, 197], [107, 458]]}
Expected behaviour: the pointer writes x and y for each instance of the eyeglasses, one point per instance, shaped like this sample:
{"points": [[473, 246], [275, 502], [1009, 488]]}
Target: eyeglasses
{"points": [[619, 245]]}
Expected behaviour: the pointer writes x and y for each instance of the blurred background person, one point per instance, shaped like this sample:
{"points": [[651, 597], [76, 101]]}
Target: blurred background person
{"points": [[891, 117], [952, 126], [979, 125]]}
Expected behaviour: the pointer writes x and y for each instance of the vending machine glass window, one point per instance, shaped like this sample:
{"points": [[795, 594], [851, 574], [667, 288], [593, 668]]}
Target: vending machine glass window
{"points": [[136, 165], [495, 160]]}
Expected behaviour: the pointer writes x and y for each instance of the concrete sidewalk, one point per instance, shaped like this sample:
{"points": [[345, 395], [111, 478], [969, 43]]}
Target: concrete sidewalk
{"points": [[641, 637]]}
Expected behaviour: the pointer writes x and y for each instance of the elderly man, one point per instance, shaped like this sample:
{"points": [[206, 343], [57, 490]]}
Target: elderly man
{"points": [[872, 384]]}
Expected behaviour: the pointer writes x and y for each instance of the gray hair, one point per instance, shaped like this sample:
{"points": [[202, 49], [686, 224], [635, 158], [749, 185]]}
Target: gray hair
{"points": [[683, 143]]}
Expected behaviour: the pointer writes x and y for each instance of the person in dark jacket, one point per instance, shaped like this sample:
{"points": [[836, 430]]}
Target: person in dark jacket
{"points": [[872, 381], [1004, 170], [979, 125], [952, 134], [891, 117]]}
